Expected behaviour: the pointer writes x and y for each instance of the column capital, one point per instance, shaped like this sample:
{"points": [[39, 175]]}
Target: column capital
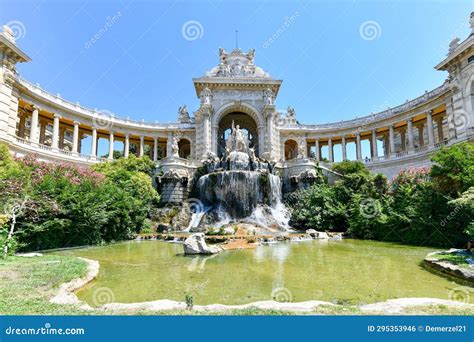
{"points": [[76, 123], [57, 116]]}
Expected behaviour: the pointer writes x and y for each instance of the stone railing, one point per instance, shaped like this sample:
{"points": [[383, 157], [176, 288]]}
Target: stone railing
{"points": [[39, 148], [102, 115], [365, 120], [178, 160]]}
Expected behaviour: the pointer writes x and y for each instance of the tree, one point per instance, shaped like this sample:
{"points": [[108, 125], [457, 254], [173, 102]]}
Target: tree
{"points": [[453, 169]]}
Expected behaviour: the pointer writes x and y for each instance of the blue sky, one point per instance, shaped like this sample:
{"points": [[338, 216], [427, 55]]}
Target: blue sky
{"points": [[142, 65]]}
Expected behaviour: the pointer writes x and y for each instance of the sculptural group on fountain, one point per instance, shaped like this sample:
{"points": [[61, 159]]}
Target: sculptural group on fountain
{"points": [[238, 142]]}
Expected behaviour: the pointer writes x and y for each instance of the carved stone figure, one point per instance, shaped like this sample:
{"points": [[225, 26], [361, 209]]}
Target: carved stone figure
{"points": [[206, 96], [240, 140], [175, 147], [251, 54], [471, 22], [222, 55], [183, 115], [237, 141], [252, 153], [453, 44], [290, 112], [302, 148], [268, 97]]}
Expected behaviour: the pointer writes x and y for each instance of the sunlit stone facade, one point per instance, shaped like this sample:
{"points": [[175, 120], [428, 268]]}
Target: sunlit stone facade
{"points": [[238, 92]]}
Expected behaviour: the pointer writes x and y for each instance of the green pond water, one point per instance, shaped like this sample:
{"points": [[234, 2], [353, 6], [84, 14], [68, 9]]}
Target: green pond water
{"points": [[347, 271]]}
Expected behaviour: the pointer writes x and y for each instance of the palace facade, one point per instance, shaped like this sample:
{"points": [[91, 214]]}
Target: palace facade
{"points": [[237, 92]]}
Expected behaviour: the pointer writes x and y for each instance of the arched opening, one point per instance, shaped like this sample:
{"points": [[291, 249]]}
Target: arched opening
{"points": [[245, 122], [291, 149], [184, 146]]}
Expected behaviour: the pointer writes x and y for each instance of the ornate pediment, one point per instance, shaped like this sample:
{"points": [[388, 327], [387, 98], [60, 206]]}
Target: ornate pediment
{"points": [[237, 64]]}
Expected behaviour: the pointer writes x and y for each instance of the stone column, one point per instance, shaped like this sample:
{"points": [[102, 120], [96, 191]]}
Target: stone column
{"points": [[79, 147], [61, 137], [330, 151], [55, 138], [214, 138], [386, 148], [358, 149], [452, 134], [420, 135], [375, 153], [126, 146], [391, 137], [269, 144], [111, 145], [410, 134], [205, 135], [403, 139], [94, 142], [343, 146], [318, 150], [439, 124], [142, 147], [169, 141], [75, 137], [21, 126], [42, 136], [429, 127], [155, 149], [34, 126]]}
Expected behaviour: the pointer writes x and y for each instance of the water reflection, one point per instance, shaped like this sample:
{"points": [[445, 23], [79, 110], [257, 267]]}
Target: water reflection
{"points": [[198, 263], [278, 252]]}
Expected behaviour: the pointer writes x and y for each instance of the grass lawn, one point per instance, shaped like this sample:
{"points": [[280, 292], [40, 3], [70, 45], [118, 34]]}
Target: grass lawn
{"points": [[27, 284]]}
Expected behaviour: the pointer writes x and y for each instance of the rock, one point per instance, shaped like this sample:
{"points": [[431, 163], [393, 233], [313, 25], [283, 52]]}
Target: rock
{"points": [[321, 235], [317, 235], [337, 236], [196, 244], [181, 220], [29, 255], [229, 231]]}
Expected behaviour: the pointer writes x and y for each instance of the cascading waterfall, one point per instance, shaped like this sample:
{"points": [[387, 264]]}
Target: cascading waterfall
{"points": [[241, 187]]}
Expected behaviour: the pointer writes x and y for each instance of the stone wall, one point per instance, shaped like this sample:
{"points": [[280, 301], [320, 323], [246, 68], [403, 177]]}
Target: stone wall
{"points": [[173, 190], [392, 168]]}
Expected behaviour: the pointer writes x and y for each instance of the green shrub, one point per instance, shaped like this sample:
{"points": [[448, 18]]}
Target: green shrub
{"points": [[68, 205]]}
